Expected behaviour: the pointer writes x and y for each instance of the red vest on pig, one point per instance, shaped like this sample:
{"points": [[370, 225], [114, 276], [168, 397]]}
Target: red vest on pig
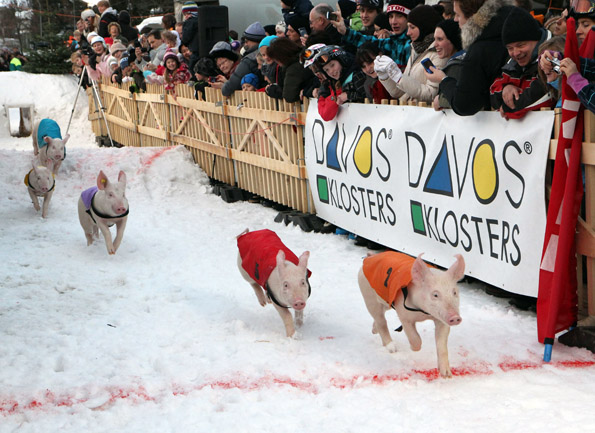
{"points": [[258, 251], [388, 273]]}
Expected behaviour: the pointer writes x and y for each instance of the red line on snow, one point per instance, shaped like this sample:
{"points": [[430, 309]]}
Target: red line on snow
{"points": [[48, 399], [147, 162]]}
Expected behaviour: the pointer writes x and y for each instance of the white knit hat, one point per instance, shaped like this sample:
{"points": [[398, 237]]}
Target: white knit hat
{"points": [[87, 13]]}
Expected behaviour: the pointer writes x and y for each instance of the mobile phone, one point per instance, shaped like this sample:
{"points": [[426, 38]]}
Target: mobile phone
{"points": [[426, 63], [212, 79], [303, 32], [331, 16]]}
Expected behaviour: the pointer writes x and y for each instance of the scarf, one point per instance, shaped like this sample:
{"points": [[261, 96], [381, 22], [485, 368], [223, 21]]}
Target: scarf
{"points": [[422, 45]]}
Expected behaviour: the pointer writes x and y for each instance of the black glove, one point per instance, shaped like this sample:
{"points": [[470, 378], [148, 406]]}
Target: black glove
{"points": [[93, 61]]}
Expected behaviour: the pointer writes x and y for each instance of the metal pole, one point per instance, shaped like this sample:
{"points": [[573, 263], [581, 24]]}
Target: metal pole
{"points": [[78, 91], [102, 109]]}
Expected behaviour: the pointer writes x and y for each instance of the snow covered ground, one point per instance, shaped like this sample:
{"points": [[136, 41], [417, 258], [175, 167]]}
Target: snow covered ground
{"points": [[166, 336]]}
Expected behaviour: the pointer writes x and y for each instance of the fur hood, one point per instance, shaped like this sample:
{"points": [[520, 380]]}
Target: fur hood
{"points": [[478, 23]]}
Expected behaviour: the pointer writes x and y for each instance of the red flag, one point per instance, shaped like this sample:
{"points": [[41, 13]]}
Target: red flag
{"points": [[557, 299]]}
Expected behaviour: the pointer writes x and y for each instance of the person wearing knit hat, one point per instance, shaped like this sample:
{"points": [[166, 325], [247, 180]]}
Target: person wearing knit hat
{"points": [[87, 13], [424, 18], [255, 32], [398, 11], [189, 8], [124, 62], [413, 84], [117, 49], [190, 32], [518, 90], [250, 83], [223, 49], [269, 30], [368, 11], [447, 41], [298, 7], [294, 23]]}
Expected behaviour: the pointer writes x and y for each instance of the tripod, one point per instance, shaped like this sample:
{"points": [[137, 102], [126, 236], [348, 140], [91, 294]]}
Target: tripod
{"points": [[98, 103]]}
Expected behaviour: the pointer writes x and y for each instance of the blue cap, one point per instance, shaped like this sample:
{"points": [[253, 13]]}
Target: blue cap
{"points": [[251, 79], [267, 41]]}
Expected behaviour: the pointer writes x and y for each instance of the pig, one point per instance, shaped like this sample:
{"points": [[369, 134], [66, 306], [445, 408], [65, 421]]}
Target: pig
{"points": [[276, 274], [103, 206], [40, 183], [48, 143], [417, 292]]}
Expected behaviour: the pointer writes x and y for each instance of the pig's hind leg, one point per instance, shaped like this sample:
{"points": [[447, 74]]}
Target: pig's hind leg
{"points": [[377, 310]]}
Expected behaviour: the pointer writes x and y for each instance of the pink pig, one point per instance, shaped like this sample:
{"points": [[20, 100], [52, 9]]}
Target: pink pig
{"points": [[48, 143], [40, 183], [417, 292], [276, 274], [103, 206]]}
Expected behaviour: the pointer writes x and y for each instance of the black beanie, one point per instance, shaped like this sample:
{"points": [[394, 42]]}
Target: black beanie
{"points": [[382, 21], [520, 26], [452, 31], [425, 18], [289, 3], [296, 21], [348, 8]]}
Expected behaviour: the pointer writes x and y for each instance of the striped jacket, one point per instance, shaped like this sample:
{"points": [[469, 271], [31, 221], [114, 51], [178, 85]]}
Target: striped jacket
{"points": [[397, 48]]}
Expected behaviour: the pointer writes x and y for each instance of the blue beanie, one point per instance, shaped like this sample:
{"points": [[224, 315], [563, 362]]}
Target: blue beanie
{"points": [[251, 79], [124, 62], [267, 41]]}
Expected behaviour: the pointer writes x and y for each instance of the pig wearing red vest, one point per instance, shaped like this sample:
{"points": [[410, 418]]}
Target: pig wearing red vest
{"points": [[417, 292], [276, 274]]}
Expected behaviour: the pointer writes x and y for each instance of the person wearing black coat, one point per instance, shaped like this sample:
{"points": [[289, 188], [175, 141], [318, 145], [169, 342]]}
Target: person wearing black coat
{"points": [[108, 15], [190, 31], [481, 33], [129, 32]]}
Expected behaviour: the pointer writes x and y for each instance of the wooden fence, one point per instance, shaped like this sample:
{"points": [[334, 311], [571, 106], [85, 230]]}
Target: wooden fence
{"points": [[257, 143]]}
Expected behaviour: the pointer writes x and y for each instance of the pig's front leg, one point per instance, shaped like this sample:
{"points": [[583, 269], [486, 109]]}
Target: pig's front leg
{"points": [[107, 236], [412, 334], [260, 295], [46, 204], [34, 199], [287, 320], [120, 226], [299, 318], [56, 167], [441, 332]]}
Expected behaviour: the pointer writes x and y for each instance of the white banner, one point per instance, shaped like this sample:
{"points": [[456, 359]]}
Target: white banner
{"points": [[421, 181]]}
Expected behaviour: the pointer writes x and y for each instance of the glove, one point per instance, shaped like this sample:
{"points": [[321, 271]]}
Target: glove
{"points": [[387, 69], [93, 61]]}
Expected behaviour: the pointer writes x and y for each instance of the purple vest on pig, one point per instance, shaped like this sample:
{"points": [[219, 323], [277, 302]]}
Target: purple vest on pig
{"points": [[87, 196]]}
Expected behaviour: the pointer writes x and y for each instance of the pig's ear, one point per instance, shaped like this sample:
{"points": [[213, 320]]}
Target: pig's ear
{"points": [[102, 180], [122, 177], [280, 259], [47, 139], [457, 269], [65, 139], [419, 271], [34, 163], [303, 263]]}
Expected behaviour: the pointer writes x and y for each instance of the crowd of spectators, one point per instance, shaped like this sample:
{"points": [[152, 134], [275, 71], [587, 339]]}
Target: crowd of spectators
{"points": [[11, 60], [467, 55]]}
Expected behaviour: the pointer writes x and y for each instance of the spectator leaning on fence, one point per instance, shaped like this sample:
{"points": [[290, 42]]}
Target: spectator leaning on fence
{"points": [[226, 60], [364, 58], [294, 78], [175, 71], [447, 40], [98, 61], [481, 32], [157, 49], [252, 35], [412, 83], [518, 90]]}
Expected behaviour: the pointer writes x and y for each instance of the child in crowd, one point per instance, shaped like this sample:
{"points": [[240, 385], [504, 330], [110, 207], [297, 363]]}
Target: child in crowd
{"points": [[364, 58], [250, 83], [175, 71], [552, 80]]}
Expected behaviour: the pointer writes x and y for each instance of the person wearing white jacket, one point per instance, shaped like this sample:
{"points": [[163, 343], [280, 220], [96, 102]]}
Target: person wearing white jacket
{"points": [[412, 83]]}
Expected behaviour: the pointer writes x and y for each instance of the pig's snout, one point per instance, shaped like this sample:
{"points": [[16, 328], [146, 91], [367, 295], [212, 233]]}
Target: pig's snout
{"points": [[119, 209], [454, 320], [299, 304]]}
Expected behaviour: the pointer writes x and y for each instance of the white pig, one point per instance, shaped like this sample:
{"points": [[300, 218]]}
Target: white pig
{"points": [[417, 292], [276, 274], [103, 206], [48, 143], [40, 183]]}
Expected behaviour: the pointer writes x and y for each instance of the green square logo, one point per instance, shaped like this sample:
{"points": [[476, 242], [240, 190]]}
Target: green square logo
{"points": [[417, 218], [322, 186]]}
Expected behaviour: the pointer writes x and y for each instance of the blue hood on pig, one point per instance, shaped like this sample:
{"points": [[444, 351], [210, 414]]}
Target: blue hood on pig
{"points": [[48, 128]]}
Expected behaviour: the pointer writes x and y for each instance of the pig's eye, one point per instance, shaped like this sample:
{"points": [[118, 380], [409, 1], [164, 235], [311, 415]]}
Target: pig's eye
{"points": [[286, 285], [435, 295]]}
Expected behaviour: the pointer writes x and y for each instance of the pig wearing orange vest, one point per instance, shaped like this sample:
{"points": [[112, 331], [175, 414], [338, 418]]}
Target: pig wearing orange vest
{"points": [[417, 292]]}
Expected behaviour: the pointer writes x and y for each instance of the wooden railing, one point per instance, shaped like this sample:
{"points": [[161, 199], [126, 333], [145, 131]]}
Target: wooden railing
{"points": [[257, 143]]}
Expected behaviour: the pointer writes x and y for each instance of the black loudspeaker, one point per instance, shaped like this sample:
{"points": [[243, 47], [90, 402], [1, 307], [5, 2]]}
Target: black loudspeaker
{"points": [[213, 26]]}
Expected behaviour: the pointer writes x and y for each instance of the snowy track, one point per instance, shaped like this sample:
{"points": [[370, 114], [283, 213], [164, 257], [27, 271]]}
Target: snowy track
{"points": [[165, 336]]}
